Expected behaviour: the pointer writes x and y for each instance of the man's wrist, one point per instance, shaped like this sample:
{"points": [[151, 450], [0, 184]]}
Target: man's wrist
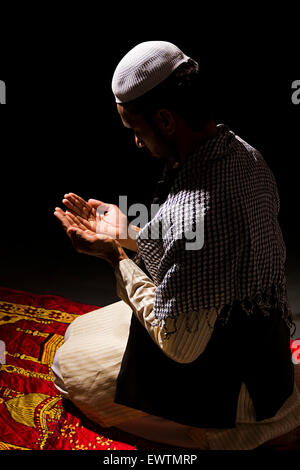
{"points": [[118, 254], [130, 242]]}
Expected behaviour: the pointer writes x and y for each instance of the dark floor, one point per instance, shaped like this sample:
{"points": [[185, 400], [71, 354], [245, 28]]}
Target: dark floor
{"points": [[82, 279]]}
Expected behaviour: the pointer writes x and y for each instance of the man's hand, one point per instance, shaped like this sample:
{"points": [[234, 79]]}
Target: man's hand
{"points": [[102, 218], [87, 241]]}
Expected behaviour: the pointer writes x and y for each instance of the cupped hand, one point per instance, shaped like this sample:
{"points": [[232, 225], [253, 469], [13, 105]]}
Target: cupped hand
{"points": [[87, 241], [98, 216], [102, 218]]}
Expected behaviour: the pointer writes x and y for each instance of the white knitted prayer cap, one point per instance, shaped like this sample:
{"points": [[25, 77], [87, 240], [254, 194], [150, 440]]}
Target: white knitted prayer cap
{"points": [[144, 67]]}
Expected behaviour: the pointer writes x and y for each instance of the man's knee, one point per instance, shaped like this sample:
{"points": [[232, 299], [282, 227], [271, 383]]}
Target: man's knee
{"points": [[57, 376]]}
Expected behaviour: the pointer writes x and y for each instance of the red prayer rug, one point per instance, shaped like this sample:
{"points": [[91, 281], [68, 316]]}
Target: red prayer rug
{"points": [[33, 415]]}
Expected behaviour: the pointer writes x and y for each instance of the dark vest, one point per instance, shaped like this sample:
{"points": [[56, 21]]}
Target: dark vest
{"points": [[254, 349]]}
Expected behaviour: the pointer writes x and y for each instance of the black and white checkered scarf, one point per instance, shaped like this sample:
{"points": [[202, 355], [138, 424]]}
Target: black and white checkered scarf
{"points": [[227, 186]]}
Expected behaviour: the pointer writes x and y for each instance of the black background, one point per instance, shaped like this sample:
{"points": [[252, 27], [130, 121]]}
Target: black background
{"points": [[60, 132]]}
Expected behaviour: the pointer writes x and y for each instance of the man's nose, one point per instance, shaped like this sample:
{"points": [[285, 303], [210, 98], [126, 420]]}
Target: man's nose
{"points": [[138, 142]]}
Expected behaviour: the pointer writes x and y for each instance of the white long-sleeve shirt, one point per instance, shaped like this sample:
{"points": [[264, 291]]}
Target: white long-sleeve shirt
{"points": [[138, 291]]}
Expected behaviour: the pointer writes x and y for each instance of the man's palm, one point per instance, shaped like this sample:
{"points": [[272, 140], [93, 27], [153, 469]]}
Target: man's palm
{"points": [[97, 216]]}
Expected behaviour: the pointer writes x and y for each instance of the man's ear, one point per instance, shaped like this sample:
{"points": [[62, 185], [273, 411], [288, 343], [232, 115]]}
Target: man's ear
{"points": [[165, 121]]}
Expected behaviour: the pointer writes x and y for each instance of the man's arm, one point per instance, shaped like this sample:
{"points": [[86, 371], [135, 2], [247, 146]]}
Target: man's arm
{"points": [[138, 291], [130, 242]]}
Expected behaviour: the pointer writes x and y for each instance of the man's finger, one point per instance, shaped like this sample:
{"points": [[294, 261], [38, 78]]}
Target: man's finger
{"points": [[61, 216], [73, 206], [95, 203], [79, 221], [72, 231], [79, 215], [78, 198], [80, 203]]}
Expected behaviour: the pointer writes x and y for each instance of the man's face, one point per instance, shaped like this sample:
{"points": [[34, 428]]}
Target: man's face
{"points": [[145, 136]]}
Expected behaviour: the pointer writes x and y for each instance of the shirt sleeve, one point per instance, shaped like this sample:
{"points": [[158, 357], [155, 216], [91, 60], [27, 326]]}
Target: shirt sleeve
{"points": [[137, 290]]}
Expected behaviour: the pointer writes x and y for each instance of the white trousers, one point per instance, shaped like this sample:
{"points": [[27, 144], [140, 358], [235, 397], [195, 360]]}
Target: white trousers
{"points": [[149, 427]]}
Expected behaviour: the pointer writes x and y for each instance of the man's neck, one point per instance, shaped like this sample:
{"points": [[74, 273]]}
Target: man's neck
{"points": [[190, 140]]}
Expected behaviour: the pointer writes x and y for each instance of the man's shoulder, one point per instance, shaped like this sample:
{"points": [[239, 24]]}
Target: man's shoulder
{"points": [[245, 147]]}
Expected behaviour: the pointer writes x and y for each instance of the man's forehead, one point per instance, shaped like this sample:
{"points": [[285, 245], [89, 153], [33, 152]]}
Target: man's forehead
{"points": [[129, 120], [123, 114]]}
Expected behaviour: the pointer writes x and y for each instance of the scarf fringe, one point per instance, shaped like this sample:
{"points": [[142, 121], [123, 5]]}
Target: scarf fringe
{"points": [[262, 303], [266, 299], [272, 297]]}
